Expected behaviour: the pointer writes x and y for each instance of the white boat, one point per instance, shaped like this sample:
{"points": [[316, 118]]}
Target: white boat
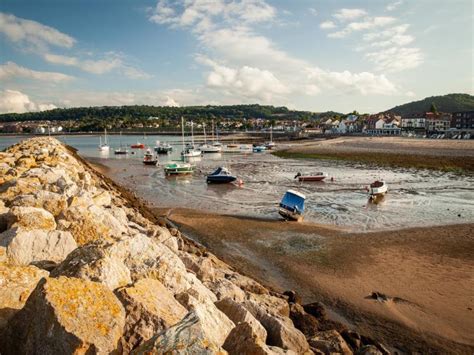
{"points": [[292, 205], [104, 147], [121, 150], [209, 148], [378, 188], [318, 176], [271, 144], [190, 151], [149, 158]]}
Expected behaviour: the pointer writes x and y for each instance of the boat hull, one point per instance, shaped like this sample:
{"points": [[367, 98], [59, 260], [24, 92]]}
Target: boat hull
{"points": [[289, 215], [137, 146], [311, 178], [161, 150], [220, 179], [150, 162]]}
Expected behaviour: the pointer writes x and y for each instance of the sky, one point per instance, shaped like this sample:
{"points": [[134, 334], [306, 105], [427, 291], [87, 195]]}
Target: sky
{"points": [[315, 55]]}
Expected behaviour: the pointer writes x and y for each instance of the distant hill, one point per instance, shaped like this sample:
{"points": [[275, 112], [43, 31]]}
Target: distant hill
{"points": [[142, 112], [444, 103]]}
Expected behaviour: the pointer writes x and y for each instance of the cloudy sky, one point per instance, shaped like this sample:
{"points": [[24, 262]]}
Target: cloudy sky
{"points": [[314, 55]]}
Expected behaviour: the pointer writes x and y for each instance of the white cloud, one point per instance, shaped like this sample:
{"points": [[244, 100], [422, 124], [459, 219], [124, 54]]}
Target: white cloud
{"points": [[11, 70], [393, 5], [367, 24], [349, 14], [327, 25], [245, 81], [396, 58], [170, 102], [33, 33], [100, 66], [201, 14], [313, 11], [12, 101]]}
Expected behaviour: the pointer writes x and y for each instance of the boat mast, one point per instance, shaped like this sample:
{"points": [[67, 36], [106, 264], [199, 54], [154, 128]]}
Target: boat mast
{"points": [[271, 134], [105, 136], [192, 134], [205, 137], [182, 131], [213, 140]]}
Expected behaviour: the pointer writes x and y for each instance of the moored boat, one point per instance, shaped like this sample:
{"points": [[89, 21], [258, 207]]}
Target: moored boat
{"points": [[190, 152], [138, 145], [378, 188], [163, 148], [259, 148], [104, 147], [121, 150], [318, 176], [149, 158], [179, 168], [292, 205], [221, 176]]}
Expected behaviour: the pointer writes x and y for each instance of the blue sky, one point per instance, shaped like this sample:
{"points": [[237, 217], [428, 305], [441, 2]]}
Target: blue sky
{"points": [[314, 55]]}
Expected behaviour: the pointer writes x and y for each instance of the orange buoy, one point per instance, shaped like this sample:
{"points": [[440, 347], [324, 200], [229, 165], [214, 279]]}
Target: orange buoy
{"points": [[240, 182]]}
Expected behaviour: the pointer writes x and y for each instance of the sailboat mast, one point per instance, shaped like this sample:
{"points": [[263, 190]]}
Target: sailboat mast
{"points": [[192, 134], [271, 133], [182, 131], [205, 137], [213, 140]]}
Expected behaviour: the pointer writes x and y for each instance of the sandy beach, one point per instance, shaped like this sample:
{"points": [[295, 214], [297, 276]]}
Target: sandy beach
{"points": [[448, 155], [426, 273]]}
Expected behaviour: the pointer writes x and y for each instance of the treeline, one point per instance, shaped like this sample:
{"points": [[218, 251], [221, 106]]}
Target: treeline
{"points": [[445, 103], [143, 112]]}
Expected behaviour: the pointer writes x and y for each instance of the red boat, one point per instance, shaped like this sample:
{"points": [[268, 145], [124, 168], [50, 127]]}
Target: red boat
{"points": [[319, 176], [138, 145]]}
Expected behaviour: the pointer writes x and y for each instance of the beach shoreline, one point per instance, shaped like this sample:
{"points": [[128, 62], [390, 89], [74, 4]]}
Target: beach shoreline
{"points": [[445, 155]]}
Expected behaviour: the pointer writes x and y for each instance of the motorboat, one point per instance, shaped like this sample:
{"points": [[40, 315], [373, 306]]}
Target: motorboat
{"points": [[318, 176], [179, 168], [138, 145], [221, 176], [292, 205], [149, 158], [378, 188], [259, 148], [104, 147], [163, 148]]}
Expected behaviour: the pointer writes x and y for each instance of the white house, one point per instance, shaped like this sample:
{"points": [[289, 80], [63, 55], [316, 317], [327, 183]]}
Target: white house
{"points": [[413, 122]]}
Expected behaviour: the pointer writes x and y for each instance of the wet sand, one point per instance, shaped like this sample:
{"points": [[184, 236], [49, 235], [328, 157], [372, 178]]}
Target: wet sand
{"points": [[448, 155], [427, 273]]}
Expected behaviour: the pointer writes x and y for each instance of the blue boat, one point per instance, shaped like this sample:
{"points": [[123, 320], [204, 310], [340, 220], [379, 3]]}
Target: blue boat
{"points": [[292, 206], [220, 176], [259, 148]]}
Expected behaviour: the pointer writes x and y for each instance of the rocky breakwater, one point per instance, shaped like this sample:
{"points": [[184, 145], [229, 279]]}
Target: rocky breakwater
{"points": [[82, 271]]}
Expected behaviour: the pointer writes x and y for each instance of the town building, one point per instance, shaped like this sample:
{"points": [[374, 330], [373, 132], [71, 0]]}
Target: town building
{"points": [[463, 120]]}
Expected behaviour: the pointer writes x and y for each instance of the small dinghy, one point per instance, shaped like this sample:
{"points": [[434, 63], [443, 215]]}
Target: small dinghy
{"points": [[378, 188], [221, 176], [259, 148], [179, 168], [149, 158], [138, 145], [319, 176], [292, 206]]}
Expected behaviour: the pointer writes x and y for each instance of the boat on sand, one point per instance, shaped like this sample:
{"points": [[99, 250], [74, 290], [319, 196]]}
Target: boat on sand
{"points": [[221, 176], [292, 206], [149, 158], [377, 189], [318, 176]]}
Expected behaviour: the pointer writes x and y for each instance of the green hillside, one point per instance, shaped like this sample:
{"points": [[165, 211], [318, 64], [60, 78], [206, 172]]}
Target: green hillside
{"points": [[444, 103]]}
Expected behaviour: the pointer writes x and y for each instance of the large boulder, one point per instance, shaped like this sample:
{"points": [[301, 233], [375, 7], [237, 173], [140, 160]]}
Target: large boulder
{"points": [[16, 284], [29, 218], [52, 202], [66, 316], [243, 340], [27, 246], [150, 308], [237, 313], [330, 342], [224, 288], [93, 262], [202, 331]]}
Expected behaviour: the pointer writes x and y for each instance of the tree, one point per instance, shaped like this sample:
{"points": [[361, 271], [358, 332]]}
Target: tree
{"points": [[433, 108]]}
